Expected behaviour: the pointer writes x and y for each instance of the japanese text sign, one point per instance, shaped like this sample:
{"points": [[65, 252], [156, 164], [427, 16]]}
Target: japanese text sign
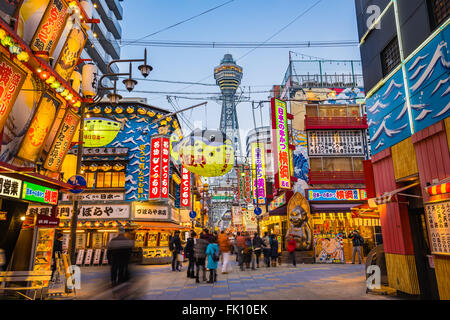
{"points": [[94, 211], [150, 212], [37, 193], [259, 170], [438, 220], [10, 187], [165, 161], [337, 195], [155, 168], [281, 143], [185, 187]]}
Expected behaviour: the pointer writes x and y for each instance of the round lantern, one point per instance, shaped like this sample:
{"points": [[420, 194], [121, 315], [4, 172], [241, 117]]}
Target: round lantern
{"points": [[119, 110], [208, 153]]}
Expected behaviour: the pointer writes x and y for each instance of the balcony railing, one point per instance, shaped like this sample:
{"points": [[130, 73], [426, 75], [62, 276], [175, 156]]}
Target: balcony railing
{"points": [[336, 177], [319, 123]]}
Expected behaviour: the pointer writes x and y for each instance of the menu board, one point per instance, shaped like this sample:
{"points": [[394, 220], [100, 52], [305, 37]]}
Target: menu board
{"points": [[159, 252], [153, 239], [139, 241], [80, 241], [97, 240], [438, 219], [97, 254], [80, 257], [335, 143], [44, 250], [164, 242]]}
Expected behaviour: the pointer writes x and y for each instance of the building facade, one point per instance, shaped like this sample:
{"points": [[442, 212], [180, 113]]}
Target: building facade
{"points": [[406, 67]]}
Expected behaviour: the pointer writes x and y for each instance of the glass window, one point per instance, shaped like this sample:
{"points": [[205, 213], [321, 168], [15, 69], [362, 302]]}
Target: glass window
{"points": [[90, 177], [107, 183], [115, 180], [121, 179], [312, 111], [390, 56], [439, 11], [100, 179]]}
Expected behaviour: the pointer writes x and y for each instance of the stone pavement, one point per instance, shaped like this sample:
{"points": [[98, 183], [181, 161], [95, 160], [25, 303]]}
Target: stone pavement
{"points": [[305, 282]]}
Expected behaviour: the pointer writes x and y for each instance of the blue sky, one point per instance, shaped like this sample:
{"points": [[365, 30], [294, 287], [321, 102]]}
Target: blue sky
{"points": [[241, 20]]}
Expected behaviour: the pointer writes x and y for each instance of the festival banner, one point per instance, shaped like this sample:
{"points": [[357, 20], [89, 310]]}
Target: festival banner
{"points": [[165, 161], [259, 170], [185, 187], [155, 168], [39, 129], [51, 27], [11, 81], [71, 53], [281, 143], [61, 145]]}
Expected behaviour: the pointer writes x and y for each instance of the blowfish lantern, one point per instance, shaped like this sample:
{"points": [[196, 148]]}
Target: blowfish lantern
{"points": [[208, 153]]}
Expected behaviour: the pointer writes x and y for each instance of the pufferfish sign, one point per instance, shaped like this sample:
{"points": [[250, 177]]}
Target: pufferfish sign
{"points": [[208, 153]]}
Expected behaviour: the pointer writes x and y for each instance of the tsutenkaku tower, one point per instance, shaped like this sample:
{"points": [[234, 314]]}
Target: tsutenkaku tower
{"points": [[228, 77]]}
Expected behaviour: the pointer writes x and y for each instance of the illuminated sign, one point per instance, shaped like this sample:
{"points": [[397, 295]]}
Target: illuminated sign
{"points": [[165, 161], [70, 53], [278, 202], [143, 211], [10, 187], [336, 143], [100, 132], [281, 141], [51, 27], [142, 162], [61, 144], [98, 211], [36, 193], [155, 168], [337, 195], [259, 169], [11, 81], [185, 187]]}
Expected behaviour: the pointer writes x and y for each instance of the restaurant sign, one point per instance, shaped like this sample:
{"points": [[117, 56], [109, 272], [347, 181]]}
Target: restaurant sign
{"points": [[96, 211], [101, 151], [143, 211], [46, 221], [103, 196], [37, 193], [438, 220], [337, 195], [159, 170], [278, 202], [39, 210], [281, 143], [10, 187], [259, 169], [185, 187]]}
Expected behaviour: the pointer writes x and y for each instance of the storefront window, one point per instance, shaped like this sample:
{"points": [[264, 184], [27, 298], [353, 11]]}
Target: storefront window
{"points": [[312, 111], [121, 179], [90, 179], [354, 111], [100, 179], [115, 180], [337, 164], [107, 183]]}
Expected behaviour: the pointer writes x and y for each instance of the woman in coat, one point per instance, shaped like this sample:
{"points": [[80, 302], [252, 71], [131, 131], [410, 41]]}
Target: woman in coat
{"points": [[189, 254], [274, 250], [212, 265]]}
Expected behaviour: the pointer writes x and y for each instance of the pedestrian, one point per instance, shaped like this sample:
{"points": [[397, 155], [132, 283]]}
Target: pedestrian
{"points": [[240, 244], [57, 252], [274, 250], [189, 254], [119, 253], [292, 247], [225, 248], [266, 249], [212, 252], [248, 251], [358, 242], [200, 256], [176, 248], [257, 247]]}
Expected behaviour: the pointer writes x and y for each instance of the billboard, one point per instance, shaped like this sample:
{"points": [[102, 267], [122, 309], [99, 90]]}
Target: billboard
{"points": [[259, 170], [337, 195], [281, 144], [185, 187], [70, 53]]}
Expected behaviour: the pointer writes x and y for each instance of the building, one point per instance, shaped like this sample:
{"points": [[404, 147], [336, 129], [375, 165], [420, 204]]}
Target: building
{"points": [[406, 67]]}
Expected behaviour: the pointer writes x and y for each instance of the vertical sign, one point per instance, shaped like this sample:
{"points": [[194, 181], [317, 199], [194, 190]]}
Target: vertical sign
{"points": [[259, 169], [141, 173], [240, 178], [155, 168], [281, 143], [70, 53], [61, 145], [247, 184], [11, 81], [51, 27], [165, 161], [185, 187]]}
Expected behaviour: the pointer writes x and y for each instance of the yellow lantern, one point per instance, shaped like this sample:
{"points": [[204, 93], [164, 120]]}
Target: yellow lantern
{"points": [[130, 109], [142, 111], [151, 113], [119, 110], [2, 34]]}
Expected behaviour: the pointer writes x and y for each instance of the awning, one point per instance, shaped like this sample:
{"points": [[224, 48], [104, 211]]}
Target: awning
{"points": [[281, 211], [392, 196], [365, 211], [333, 207], [159, 225]]}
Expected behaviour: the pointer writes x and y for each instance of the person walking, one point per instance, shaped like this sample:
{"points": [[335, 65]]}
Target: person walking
{"points": [[240, 244], [225, 248], [248, 251], [57, 252], [212, 252], [257, 247], [292, 247], [266, 249], [189, 254], [274, 250], [200, 256], [358, 242], [119, 253], [176, 248]]}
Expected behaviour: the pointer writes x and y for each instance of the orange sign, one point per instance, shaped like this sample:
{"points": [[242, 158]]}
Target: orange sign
{"points": [[11, 81], [51, 27], [70, 53], [61, 145], [39, 129]]}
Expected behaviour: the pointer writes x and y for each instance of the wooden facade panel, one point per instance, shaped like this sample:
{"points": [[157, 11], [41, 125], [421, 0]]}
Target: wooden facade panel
{"points": [[447, 129], [442, 269], [402, 273], [404, 159]]}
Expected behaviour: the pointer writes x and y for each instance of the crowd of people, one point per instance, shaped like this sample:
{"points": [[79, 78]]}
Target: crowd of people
{"points": [[204, 251]]}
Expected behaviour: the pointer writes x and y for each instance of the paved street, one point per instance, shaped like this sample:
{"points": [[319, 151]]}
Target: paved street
{"points": [[306, 282]]}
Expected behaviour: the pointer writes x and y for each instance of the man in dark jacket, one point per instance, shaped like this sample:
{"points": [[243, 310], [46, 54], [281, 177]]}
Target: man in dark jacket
{"points": [[240, 246], [358, 242], [119, 252], [257, 247], [176, 248], [189, 254], [57, 251], [200, 256]]}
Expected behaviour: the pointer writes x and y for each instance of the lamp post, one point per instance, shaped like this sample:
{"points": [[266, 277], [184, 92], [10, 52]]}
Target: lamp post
{"points": [[129, 83]]}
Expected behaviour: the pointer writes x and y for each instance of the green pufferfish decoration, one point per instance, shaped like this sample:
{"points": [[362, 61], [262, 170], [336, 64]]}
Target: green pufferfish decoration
{"points": [[208, 153]]}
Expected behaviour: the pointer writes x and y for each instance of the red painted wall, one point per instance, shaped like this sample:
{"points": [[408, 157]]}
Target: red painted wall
{"points": [[433, 159], [394, 217]]}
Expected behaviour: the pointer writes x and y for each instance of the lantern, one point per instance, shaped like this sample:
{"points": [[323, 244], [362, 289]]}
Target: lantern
{"points": [[119, 110], [108, 110], [208, 153], [23, 56], [151, 114], [130, 109], [2, 34], [142, 111]]}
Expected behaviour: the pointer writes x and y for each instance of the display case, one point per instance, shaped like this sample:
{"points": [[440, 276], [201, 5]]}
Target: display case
{"points": [[42, 255]]}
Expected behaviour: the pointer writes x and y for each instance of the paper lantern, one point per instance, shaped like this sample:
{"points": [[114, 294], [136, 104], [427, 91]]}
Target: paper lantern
{"points": [[142, 111], [50, 80], [119, 110], [100, 132], [2, 34], [89, 80], [6, 41], [15, 49], [151, 114], [23, 56], [208, 153], [77, 104], [130, 109], [108, 110]]}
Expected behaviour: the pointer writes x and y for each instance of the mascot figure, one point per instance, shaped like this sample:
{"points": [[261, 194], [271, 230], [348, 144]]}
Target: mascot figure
{"points": [[299, 222]]}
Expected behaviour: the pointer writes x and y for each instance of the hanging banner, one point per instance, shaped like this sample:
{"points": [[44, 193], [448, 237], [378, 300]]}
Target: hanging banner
{"points": [[71, 53], [281, 143], [11, 81], [185, 187], [259, 170], [61, 145], [155, 168], [165, 161], [51, 27], [39, 129]]}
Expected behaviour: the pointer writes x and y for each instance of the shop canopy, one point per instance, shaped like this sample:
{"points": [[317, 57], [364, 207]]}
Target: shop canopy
{"points": [[389, 197], [159, 225], [333, 208], [281, 211]]}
